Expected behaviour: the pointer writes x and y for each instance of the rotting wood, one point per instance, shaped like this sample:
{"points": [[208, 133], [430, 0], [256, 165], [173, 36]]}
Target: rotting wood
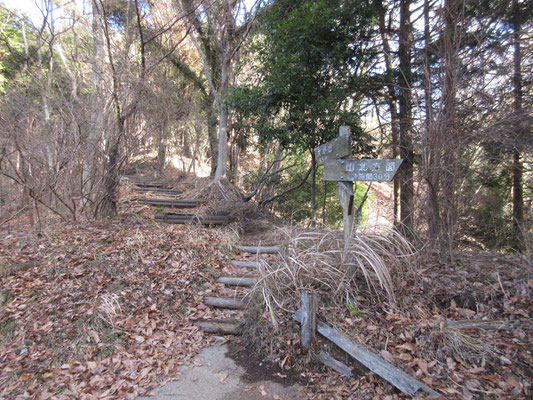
{"points": [[246, 264], [308, 312], [225, 302], [329, 361], [221, 327], [259, 249], [237, 281], [372, 361]]}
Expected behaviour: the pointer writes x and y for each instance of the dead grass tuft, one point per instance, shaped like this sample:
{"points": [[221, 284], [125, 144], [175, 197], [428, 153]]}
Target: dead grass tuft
{"points": [[317, 260]]}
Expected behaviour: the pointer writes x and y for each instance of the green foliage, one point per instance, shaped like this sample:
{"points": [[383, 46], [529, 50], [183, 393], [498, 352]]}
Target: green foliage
{"points": [[487, 217], [296, 206], [12, 47], [353, 310], [312, 63]]}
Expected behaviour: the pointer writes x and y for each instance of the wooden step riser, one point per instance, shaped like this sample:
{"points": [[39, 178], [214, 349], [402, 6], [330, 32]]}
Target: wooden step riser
{"points": [[225, 302], [220, 327], [246, 264], [237, 281], [259, 249]]}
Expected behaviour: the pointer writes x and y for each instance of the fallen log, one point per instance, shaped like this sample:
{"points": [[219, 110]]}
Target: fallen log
{"points": [[225, 302], [372, 361], [237, 281], [259, 249], [221, 327]]}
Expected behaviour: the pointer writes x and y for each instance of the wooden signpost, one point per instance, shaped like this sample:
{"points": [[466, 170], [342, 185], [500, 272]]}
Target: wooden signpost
{"points": [[347, 171]]}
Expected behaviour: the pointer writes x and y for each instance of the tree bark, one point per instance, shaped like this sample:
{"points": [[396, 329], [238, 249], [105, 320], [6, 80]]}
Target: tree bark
{"points": [[517, 167], [313, 189], [431, 143], [406, 122], [212, 137], [95, 124], [448, 131], [392, 103]]}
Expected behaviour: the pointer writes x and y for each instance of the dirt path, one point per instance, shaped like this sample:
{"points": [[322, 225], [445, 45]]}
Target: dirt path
{"points": [[212, 375]]}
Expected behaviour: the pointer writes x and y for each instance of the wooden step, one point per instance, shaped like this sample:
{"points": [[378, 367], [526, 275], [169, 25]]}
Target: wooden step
{"points": [[193, 219], [149, 184], [229, 327], [169, 202], [237, 281], [246, 264], [168, 192], [259, 249], [225, 302]]}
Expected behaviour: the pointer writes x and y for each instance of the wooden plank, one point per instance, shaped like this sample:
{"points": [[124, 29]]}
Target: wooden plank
{"points": [[221, 327], [169, 202], [372, 361], [345, 196], [329, 361], [149, 184], [225, 302], [361, 170], [237, 281], [168, 192], [308, 310], [246, 264], [192, 219], [259, 249], [337, 148]]}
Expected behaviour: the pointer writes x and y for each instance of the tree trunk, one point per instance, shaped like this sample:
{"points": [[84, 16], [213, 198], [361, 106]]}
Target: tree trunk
{"points": [[108, 206], [222, 108], [95, 125], [406, 122], [517, 167], [313, 189], [392, 103], [432, 146], [161, 151], [448, 132], [212, 137]]}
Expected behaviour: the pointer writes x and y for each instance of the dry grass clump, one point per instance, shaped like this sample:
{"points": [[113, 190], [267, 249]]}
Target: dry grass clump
{"points": [[317, 260]]}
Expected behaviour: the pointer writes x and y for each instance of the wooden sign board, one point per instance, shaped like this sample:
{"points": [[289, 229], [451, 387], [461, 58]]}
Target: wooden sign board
{"points": [[337, 148], [361, 170]]}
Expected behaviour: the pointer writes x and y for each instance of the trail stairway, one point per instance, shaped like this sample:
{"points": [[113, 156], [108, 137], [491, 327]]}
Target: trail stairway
{"points": [[169, 200], [233, 286]]}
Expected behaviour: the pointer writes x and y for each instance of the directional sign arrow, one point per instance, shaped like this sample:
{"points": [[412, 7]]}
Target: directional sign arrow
{"points": [[361, 170], [337, 148]]}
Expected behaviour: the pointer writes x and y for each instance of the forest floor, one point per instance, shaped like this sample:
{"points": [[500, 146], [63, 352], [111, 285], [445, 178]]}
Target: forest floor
{"points": [[107, 310]]}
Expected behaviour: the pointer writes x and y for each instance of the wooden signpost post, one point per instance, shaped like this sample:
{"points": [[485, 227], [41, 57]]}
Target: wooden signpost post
{"points": [[347, 171]]}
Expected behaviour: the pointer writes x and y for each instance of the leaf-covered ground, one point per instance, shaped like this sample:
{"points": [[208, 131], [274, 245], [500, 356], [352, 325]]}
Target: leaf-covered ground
{"points": [[105, 310]]}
